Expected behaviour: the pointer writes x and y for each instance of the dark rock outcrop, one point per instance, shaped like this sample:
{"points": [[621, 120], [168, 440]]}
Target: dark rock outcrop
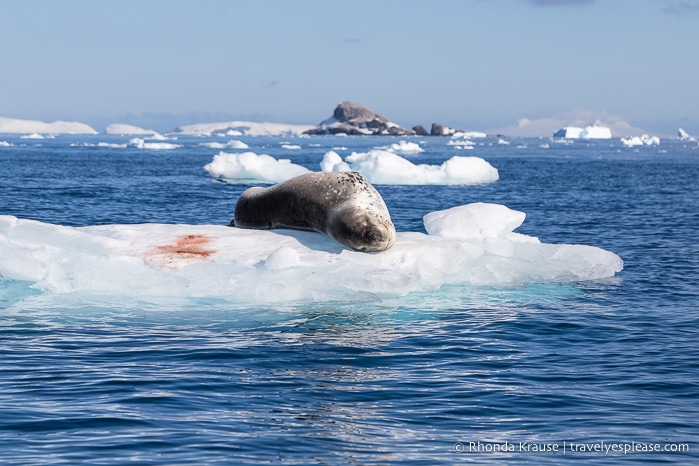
{"points": [[354, 119], [437, 130], [420, 130]]}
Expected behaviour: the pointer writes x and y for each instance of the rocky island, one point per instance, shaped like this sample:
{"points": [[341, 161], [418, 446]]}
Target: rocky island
{"points": [[355, 119]]}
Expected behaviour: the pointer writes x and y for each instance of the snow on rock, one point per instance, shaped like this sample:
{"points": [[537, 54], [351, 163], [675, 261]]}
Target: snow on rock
{"points": [[12, 125], [249, 167], [271, 266], [643, 140], [350, 118], [243, 128], [122, 129], [385, 167]]}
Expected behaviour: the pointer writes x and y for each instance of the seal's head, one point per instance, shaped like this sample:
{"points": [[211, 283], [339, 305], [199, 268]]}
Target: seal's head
{"points": [[361, 229]]}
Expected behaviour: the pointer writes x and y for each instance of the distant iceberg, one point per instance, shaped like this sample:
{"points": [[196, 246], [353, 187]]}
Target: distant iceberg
{"points": [[683, 136], [595, 131], [469, 135], [466, 245], [232, 144], [16, 126], [243, 128], [405, 148], [122, 129], [139, 143]]}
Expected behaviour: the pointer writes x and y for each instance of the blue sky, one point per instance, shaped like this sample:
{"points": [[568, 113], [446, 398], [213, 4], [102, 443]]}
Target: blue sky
{"points": [[472, 64]]}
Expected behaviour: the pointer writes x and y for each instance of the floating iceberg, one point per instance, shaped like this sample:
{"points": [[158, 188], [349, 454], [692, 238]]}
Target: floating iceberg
{"points": [[385, 167], [233, 144], [461, 143], [469, 135], [595, 131], [123, 129], [405, 148], [378, 166], [466, 245], [249, 167], [643, 140], [683, 136], [139, 143]]}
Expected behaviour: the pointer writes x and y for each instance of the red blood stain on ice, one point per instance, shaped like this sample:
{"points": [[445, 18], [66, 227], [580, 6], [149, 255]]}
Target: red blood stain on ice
{"points": [[185, 249]]}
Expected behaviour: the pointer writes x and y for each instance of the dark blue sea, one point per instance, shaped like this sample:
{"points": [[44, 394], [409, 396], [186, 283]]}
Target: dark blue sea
{"points": [[598, 372]]}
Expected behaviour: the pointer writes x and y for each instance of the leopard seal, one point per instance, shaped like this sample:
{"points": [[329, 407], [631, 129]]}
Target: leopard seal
{"points": [[344, 205]]}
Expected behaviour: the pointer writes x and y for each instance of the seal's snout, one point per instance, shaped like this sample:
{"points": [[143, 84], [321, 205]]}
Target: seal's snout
{"points": [[376, 238]]}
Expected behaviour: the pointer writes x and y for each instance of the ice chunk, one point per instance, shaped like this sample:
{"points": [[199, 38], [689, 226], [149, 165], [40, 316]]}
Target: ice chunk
{"points": [[469, 135], [251, 167], [478, 220], [385, 167], [405, 148], [232, 144], [643, 140], [139, 143], [682, 135], [332, 162]]}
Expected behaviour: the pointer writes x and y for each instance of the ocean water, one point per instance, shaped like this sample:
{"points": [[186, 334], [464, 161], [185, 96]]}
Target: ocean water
{"points": [[599, 372]]}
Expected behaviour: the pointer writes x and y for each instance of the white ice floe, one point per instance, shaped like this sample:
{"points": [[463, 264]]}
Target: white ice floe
{"points": [[643, 140], [378, 166], [139, 143], [244, 128], [290, 146], [249, 167], [469, 135], [385, 167], [405, 148], [232, 144], [13, 125], [33, 136], [466, 245], [5, 144], [461, 143]]}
